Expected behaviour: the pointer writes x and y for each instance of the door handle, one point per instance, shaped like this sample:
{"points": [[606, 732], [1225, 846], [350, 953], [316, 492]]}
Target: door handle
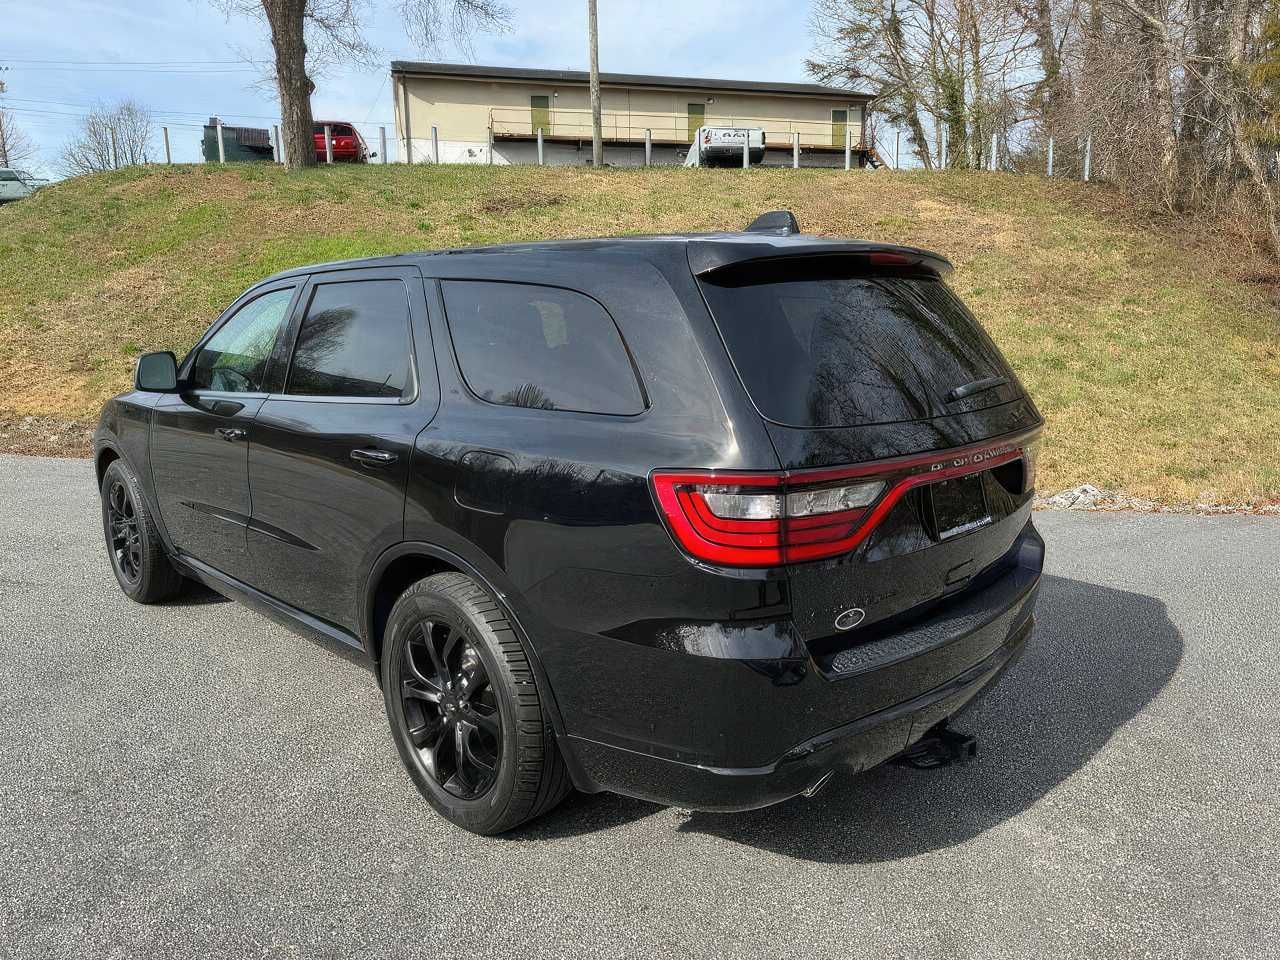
{"points": [[374, 458], [231, 433]]}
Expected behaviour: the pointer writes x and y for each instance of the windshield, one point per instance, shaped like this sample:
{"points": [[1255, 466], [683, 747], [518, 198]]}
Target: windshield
{"points": [[818, 350]]}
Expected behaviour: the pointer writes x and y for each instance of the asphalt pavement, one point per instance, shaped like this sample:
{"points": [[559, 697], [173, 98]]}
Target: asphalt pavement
{"points": [[194, 780]]}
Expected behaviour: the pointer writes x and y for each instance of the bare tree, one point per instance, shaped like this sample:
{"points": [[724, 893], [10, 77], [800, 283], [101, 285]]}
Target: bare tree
{"points": [[957, 64], [307, 34], [16, 148], [110, 137]]}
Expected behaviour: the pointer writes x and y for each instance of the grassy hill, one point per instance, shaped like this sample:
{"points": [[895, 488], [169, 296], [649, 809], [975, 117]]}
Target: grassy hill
{"points": [[1156, 360]]}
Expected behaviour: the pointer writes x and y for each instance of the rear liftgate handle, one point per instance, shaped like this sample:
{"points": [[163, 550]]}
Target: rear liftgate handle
{"points": [[374, 458]]}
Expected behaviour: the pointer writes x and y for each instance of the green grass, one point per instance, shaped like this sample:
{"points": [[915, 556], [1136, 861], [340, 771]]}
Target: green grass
{"points": [[1159, 372]]}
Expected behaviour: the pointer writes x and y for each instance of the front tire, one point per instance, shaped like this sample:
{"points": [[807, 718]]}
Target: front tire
{"points": [[464, 708], [138, 557]]}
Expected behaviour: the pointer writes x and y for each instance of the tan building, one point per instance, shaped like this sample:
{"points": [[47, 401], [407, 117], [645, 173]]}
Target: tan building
{"points": [[492, 115]]}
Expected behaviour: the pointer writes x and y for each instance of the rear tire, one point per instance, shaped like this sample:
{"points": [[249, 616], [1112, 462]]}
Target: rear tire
{"points": [[137, 554], [465, 712]]}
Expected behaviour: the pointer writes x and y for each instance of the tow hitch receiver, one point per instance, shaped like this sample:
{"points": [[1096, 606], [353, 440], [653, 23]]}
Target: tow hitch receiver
{"points": [[940, 747]]}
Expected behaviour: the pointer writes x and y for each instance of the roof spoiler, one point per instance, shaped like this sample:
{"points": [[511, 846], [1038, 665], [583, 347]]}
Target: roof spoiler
{"points": [[707, 255], [778, 223]]}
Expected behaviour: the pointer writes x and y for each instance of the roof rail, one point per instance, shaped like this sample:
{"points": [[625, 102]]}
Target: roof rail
{"points": [[779, 223]]}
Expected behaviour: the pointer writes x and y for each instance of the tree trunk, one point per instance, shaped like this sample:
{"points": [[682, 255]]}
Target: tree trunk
{"points": [[286, 18], [1237, 60]]}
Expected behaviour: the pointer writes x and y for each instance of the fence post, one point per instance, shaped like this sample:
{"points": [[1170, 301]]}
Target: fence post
{"points": [[994, 165], [382, 143], [746, 151], [539, 146], [328, 143], [168, 157], [1088, 156], [648, 146], [283, 149], [795, 149], [1049, 169], [275, 143], [491, 141], [435, 144], [222, 150], [943, 158], [848, 148]]}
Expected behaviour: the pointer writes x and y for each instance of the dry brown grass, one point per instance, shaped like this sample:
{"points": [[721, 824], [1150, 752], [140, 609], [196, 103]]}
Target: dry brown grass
{"points": [[1153, 351]]}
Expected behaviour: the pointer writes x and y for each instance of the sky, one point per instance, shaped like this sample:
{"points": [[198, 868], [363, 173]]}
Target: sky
{"points": [[186, 60]]}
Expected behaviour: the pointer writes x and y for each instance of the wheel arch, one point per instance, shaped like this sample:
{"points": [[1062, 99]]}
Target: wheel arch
{"points": [[399, 567], [106, 455], [408, 562]]}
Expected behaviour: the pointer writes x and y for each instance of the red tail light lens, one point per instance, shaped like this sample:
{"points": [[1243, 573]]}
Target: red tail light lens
{"points": [[768, 519]]}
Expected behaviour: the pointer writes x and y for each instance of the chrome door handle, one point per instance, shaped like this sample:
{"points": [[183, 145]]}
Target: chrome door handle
{"points": [[375, 458], [231, 433]]}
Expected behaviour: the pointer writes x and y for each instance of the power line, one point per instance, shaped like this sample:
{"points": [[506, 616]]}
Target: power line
{"points": [[175, 70], [162, 115], [127, 63]]}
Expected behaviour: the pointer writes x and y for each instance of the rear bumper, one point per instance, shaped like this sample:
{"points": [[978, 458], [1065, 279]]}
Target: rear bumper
{"points": [[857, 746], [927, 673]]}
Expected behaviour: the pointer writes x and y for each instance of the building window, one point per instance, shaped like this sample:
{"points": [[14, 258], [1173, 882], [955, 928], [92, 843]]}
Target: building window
{"points": [[697, 115]]}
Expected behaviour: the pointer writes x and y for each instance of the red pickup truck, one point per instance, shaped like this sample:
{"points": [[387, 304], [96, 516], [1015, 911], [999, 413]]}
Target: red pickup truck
{"points": [[348, 145]]}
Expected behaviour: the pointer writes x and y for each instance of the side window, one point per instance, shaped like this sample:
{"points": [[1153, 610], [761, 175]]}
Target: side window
{"points": [[354, 342], [235, 358], [531, 346]]}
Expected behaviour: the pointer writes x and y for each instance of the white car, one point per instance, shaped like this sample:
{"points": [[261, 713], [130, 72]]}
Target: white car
{"points": [[16, 184]]}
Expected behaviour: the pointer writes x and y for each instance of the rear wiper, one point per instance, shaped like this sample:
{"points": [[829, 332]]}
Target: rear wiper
{"points": [[978, 386]]}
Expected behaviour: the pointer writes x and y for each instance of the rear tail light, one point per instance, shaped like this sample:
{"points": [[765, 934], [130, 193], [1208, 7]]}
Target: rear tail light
{"points": [[766, 519]]}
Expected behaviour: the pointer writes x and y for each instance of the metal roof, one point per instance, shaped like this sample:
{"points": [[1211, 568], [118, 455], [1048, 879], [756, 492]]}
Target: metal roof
{"points": [[477, 72]]}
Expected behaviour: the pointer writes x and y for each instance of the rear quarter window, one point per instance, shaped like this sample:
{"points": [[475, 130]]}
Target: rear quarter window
{"points": [[836, 350], [545, 348]]}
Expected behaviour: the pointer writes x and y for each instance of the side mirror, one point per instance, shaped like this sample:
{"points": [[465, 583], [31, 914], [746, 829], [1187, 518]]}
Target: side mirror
{"points": [[374, 155], [156, 372]]}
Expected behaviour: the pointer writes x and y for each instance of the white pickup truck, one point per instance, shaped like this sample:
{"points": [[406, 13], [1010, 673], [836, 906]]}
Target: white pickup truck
{"points": [[722, 146], [16, 184]]}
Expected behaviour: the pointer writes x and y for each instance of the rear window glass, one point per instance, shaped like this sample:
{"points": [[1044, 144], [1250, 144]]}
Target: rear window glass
{"points": [[8, 175], [354, 342], [525, 345], [851, 350]]}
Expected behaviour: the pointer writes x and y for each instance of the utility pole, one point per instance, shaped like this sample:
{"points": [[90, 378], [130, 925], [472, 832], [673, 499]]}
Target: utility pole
{"points": [[597, 141], [4, 142]]}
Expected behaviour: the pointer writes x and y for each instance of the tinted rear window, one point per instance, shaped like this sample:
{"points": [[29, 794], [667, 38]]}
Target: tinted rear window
{"points": [[525, 345], [354, 342], [828, 351]]}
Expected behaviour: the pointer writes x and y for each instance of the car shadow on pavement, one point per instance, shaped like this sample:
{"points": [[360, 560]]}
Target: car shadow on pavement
{"points": [[1097, 658], [195, 594]]}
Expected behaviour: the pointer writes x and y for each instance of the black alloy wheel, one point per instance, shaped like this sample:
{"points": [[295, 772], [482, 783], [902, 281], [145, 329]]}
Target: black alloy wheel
{"points": [[451, 709], [125, 540], [468, 716], [138, 557]]}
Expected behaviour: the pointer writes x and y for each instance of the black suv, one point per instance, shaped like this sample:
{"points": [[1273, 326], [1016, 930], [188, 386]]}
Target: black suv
{"points": [[696, 519]]}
